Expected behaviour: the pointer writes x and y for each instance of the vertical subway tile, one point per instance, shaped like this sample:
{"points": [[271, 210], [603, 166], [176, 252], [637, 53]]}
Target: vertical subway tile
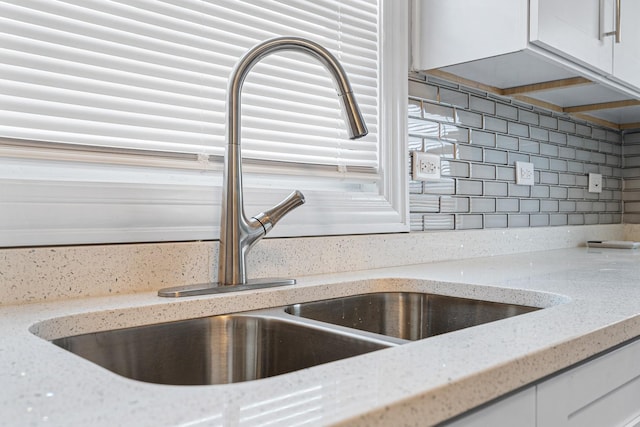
{"points": [[416, 222], [415, 108]]}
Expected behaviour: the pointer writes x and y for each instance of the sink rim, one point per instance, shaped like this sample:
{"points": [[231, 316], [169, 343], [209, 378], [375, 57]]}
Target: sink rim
{"points": [[120, 313]]}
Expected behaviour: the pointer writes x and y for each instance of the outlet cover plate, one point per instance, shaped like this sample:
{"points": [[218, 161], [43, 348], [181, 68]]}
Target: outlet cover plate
{"points": [[595, 183], [425, 166], [524, 173]]}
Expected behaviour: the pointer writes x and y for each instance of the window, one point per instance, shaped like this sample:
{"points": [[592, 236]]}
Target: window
{"points": [[112, 123]]}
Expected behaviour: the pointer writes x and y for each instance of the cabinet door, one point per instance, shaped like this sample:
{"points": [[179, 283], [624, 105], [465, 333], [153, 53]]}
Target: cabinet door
{"points": [[602, 392], [626, 54], [571, 28], [517, 410]]}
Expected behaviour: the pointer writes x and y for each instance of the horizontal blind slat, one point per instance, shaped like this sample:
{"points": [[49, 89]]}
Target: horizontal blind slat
{"points": [[152, 75]]}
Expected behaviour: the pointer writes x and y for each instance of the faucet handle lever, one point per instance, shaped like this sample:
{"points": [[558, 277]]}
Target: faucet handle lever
{"points": [[269, 218]]}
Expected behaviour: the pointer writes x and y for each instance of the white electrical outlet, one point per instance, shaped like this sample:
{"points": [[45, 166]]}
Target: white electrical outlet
{"points": [[425, 166], [595, 183], [524, 173]]}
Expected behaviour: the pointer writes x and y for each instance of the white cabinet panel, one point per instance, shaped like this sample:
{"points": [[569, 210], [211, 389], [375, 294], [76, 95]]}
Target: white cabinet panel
{"points": [[517, 410], [571, 28], [603, 392], [454, 31], [626, 54]]}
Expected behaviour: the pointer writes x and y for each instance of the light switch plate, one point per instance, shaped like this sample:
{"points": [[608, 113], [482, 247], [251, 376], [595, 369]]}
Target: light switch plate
{"points": [[425, 166], [524, 173], [595, 183]]}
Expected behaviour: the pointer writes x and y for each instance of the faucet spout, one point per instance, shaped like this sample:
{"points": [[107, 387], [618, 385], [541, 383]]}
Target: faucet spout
{"points": [[237, 233]]}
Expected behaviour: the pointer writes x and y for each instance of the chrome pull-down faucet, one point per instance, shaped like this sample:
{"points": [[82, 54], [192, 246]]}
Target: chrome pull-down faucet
{"points": [[237, 233]]}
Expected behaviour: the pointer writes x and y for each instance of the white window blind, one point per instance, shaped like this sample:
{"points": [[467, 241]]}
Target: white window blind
{"points": [[109, 102]]}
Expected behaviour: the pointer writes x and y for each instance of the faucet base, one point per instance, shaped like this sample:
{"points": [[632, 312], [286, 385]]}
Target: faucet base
{"points": [[215, 288]]}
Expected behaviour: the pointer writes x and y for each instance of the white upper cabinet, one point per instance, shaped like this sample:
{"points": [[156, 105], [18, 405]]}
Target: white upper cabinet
{"points": [[589, 33], [465, 24], [572, 28], [626, 53], [561, 54]]}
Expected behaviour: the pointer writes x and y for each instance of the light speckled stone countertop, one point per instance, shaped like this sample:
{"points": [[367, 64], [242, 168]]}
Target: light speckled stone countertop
{"points": [[592, 299]]}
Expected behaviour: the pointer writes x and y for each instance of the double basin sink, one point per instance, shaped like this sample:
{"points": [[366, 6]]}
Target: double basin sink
{"points": [[257, 344]]}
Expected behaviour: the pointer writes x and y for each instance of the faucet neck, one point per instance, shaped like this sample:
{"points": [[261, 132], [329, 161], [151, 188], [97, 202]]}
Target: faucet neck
{"points": [[237, 233]]}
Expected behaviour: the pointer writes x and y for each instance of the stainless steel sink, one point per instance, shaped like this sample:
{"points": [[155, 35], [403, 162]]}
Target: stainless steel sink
{"points": [[263, 343], [218, 349], [406, 315]]}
